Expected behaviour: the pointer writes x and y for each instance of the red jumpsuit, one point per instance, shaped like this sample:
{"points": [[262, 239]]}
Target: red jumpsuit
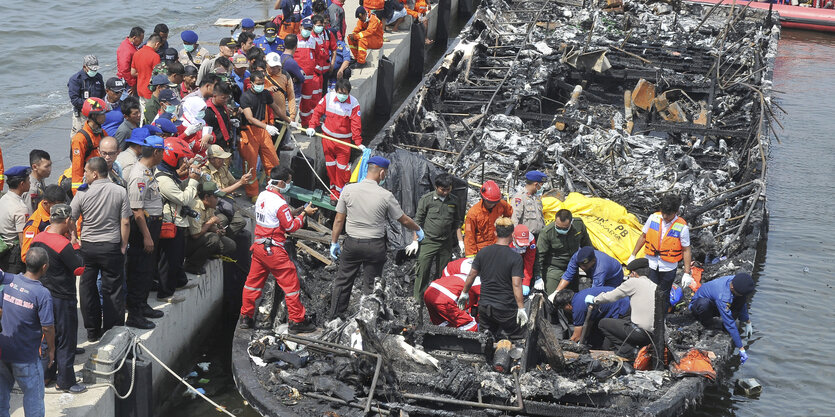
{"points": [[306, 56], [342, 121], [440, 297], [272, 221], [529, 257], [325, 45]]}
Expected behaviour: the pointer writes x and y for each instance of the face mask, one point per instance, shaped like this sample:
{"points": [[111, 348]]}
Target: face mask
{"points": [[441, 197], [539, 192], [200, 114], [318, 29], [270, 39], [258, 88], [92, 73], [562, 231], [305, 33], [341, 97], [170, 109], [188, 48], [286, 187]]}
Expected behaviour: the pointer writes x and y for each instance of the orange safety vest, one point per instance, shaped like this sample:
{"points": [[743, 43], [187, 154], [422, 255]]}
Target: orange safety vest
{"points": [[669, 248]]}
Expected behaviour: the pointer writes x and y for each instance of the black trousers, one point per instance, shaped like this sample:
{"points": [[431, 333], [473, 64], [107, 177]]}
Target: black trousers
{"points": [[10, 261], [65, 314], [664, 282], [623, 335], [370, 254], [500, 322], [199, 250], [704, 310], [172, 253], [106, 258], [141, 266]]}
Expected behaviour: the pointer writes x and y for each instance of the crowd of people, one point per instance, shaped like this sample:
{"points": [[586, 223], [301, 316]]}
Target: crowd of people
{"points": [[147, 199]]}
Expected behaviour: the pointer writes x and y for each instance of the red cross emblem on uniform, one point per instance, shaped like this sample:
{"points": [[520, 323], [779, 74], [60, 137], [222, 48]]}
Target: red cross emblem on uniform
{"points": [[262, 204]]}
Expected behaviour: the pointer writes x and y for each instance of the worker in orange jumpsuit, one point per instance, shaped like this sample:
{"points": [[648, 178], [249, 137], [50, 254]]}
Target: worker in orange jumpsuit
{"points": [[367, 35], [306, 56], [374, 7], [441, 295], [480, 222], [39, 220], [342, 122], [418, 12], [258, 107], [524, 244], [273, 220], [85, 143]]}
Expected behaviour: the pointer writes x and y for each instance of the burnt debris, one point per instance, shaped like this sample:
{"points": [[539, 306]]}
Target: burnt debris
{"points": [[622, 100]]}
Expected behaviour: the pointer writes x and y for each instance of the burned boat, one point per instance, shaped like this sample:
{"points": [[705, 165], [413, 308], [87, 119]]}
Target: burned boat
{"points": [[624, 101]]}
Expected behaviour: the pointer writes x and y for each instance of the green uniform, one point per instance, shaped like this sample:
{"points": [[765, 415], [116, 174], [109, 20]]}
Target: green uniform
{"points": [[439, 220], [553, 251]]}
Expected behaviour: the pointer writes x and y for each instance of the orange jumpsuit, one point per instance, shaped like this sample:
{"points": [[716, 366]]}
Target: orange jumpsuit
{"points": [[36, 223], [480, 225], [81, 152], [420, 8], [367, 35], [256, 141]]}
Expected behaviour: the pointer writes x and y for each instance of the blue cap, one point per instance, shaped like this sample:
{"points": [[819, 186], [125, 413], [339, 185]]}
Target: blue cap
{"points": [[138, 135], [585, 255], [379, 161], [18, 171], [537, 176], [155, 142], [307, 23], [152, 130], [189, 36], [742, 282], [159, 79], [169, 96], [165, 124], [247, 23]]}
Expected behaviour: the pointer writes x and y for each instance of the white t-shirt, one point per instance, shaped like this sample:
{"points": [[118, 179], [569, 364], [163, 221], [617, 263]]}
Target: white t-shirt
{"points": [[655, 262]]}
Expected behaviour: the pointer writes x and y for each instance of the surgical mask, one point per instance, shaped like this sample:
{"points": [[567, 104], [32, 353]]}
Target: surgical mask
{"points": [[539, 192], [188, 48], [318, 29], [92, 73], [171, 109], [258, 88], [201, 114], [341, 97], [305, 33], [270, 39], [286, 187], [562, 231]]}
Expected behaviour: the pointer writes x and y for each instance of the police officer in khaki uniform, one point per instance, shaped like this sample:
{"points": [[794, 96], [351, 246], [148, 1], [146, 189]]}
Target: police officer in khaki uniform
{"points": [[364, 209], [146, 203], [527, 204], [440, 216], [13, 215], [556, 244]]}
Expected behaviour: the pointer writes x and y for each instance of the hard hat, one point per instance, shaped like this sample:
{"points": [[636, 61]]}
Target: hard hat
{"points": [[174, 150], [93, 106], [490, 192]]}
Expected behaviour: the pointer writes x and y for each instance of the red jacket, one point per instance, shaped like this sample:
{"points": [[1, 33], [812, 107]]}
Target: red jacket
{"points": [[305, 56], [342, 120], [273, 218], [325, 45], [452, 282], [124, 57], [529, 257]]}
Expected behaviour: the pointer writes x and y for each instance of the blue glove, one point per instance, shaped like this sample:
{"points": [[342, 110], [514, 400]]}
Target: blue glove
{"points": [[589, 299], [743, 356], [420, 234], [526, 290], [335, 250]]}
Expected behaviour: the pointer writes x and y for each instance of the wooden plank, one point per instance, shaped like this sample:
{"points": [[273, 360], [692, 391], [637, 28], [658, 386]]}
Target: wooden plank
{"points": [[313, 224], [313, 253], [312, 236]]}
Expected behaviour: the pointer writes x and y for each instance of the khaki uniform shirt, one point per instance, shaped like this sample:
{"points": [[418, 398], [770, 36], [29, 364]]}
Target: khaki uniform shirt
{"points": [[196, 225], [143, 190], [102, 206], [368, 208], [35, 194], [197, 57], [222, 177], [527, 210], [13, 215], [126, 160], [175, 197]]}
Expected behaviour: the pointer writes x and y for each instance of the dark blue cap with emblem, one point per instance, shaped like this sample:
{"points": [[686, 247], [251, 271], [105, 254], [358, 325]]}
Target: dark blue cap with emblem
{"points": [[189, 36], [585, 255], [18, 171], [379, 161], [165, 125], [537, 176]]}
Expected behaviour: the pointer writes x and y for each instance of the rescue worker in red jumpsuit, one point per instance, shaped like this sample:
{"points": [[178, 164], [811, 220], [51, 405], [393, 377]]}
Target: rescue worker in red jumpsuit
{"points": [[273, 219], [441, 294], [306, 56], [524, 244], [325, 45], [342, 122]]}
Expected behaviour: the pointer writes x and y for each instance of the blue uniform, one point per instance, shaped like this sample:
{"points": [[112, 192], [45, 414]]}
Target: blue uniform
{"points": [[606, 271], [27, 307], [276, 46], [615, 310], [729, 306], [240, 80], [343, 53], [292, 67], [81, 86]]}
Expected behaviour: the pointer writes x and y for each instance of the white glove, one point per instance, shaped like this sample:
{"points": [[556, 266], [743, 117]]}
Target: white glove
{"points": [[521, 317], [193, 129], [462, 300], [461, 247], [748, 331], [272, 130], [235, 122], [296, 125], [539, 284], [686, 280], [310, 132], [631, 258], [412, 249], [362, 148]]}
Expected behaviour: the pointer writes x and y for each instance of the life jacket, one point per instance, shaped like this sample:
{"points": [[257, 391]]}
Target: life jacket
{"points": [[643, 360], [669, 248], [694, 362]]}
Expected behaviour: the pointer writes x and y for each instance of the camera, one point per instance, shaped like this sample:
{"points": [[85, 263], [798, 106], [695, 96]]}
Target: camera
{"points": [[189, 212]]}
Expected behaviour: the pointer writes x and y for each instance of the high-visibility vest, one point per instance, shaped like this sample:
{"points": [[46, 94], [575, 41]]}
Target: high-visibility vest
{"points": [[669, 248]]}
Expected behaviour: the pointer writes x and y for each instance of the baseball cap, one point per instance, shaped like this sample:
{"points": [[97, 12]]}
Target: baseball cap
{"points": [[273, 59], [211, 187], [228, 42], [159, 79], [190, 70], [521, 236], [239, 61], [170, 54], [585, 255], [18, 171], [307, 23], [270, 28], [379, 161], [155, 142], [537, 176], [215, 151], [169, 96], [115, 84], [91, 62], [247, 23], [60, 212]]}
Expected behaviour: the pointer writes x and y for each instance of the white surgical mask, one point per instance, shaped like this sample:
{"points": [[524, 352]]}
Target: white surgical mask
{"points": [[201, 114], [286, 187], [305, 33], [92, 73], [188, 48], [318, 29], [258, 88], [341, 97], [171, 109]]}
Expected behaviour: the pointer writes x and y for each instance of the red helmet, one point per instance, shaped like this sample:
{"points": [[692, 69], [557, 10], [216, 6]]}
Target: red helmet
{"points": [[93, 106], [174, 150], [490, 192]]}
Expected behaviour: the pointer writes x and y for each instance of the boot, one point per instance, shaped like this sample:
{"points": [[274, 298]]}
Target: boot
{"points": [[139, 322], [246, 323], [150, 313], [305, 326]]}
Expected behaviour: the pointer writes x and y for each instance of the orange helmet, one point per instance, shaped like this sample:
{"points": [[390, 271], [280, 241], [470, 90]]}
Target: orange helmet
{"points": [[93, 106], [490, 192], [174, 150]]}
